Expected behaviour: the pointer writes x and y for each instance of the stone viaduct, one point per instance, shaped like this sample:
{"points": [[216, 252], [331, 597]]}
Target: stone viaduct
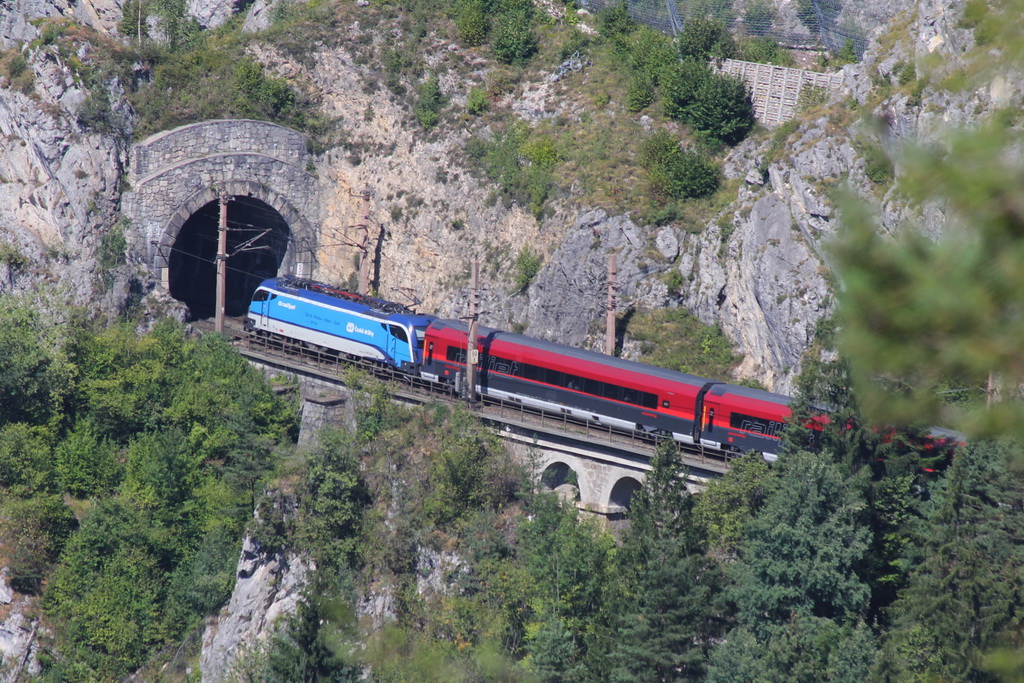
{"points": [[177, 178]]}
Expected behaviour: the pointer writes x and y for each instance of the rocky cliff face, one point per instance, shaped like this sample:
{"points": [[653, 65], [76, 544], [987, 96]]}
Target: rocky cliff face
{"points": [[758, 268], [268, 587]]}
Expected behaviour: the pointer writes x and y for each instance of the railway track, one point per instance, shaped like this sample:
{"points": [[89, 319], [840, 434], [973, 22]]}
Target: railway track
{"points": [[294, 356]]}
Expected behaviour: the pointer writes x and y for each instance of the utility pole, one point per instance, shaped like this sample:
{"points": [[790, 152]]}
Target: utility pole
{"points": [[472, 353], [609, 325], [222, 262]]}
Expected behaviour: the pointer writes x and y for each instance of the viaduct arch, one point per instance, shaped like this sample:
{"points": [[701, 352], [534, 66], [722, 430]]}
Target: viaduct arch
{"points": [[177, 178]]}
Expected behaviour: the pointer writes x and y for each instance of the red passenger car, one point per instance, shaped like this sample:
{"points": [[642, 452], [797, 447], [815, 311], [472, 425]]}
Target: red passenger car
{"points": [[608, 390]]}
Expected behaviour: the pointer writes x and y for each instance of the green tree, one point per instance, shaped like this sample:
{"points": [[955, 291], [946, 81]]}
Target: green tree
{"points": [[679, 84], [805, 650], [266, 96], [801, 553], [35, 373], [471, 21], [429, 103], [727, 504], [704, 39], [616, 24], [721, 108], [333, 499], [673, 607], [26, 460], [920, 314], [675, 173], [964, 593], [512, 39], [640, 92], [86, 464], [569, 564], [106, 594], [34, 531]]}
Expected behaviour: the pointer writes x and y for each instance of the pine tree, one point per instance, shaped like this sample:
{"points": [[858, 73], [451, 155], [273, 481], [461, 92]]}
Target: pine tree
{"points": [[675, 591], [801, 553], [964, 595]]}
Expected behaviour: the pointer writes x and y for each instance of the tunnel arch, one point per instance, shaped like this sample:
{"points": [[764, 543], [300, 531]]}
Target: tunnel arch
{"points": [[177, 175], [266, 236], [623, 491]]}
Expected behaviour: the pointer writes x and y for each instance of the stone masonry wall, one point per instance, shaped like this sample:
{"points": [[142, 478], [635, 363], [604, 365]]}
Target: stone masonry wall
{"points": [[177, 172], [223, 135]]}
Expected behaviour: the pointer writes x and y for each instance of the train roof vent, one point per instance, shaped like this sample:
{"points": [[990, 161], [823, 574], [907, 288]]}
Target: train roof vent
{"points": [[293, 282]]}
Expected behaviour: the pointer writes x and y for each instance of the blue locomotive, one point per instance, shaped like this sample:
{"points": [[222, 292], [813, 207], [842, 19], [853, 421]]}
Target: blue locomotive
{"points": [[338, 321]]}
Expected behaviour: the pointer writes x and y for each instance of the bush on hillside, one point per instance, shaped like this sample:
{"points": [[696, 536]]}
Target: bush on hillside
{"points": [[513, 41], [471, 22], [721, 109], [675, 173], [431, 101], [679, 85], [706, 39]]}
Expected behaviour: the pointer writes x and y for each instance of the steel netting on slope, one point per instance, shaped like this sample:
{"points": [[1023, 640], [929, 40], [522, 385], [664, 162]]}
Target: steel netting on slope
{"points": [[829, 24]]}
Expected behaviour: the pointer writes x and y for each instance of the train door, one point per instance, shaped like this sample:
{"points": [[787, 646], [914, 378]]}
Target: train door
{"points": [[707, 429], [397, 343], [258, 309]]}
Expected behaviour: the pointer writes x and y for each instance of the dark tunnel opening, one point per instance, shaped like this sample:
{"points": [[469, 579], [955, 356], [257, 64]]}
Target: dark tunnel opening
{"points": [[257, 240]]}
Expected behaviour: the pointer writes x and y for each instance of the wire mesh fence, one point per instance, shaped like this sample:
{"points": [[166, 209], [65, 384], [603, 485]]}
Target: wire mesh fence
{"points": [[832, 25]]}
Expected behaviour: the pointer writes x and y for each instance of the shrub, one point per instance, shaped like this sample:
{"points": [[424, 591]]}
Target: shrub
{"points": [[706, 39], [877, 165], [652, 53], [765, 50], [721, 109], [270, 96], [527, 266], [471, 22], [758, 17], [615, 22], [640, 92], [513, 41], [679, 85], [675, 173], [476, 101], [430, 103], [540, 151]]}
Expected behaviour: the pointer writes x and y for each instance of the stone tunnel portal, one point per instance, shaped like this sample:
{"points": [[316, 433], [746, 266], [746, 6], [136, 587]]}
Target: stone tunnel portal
{"points": [[257, 241]]}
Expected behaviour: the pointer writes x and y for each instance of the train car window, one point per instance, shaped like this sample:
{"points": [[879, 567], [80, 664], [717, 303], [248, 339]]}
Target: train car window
{"points": [[629, 395], [758, 425], [592, 386], [711, 420], [430, 351], [648, 400], [531, 372], [399, 333], [573, 382], [503, 365], [272, 296], [612, 391], [421, 337], [456, 354], [260, 295], [556, 377]]}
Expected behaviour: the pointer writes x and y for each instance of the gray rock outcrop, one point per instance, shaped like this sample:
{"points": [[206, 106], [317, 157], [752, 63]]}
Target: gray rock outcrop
{"points": [[268, 587]]}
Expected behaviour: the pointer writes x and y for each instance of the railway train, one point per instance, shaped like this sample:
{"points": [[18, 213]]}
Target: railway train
{"points": [[584, 384]]}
